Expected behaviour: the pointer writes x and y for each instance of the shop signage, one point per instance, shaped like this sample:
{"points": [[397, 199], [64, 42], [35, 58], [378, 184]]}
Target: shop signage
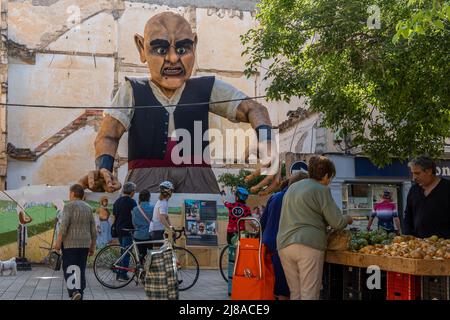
{"points": [[443, 168], [365, 168]]}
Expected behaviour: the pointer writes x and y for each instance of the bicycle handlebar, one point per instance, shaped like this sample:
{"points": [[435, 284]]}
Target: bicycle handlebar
{"points": [[178, 233], [175, 233]]}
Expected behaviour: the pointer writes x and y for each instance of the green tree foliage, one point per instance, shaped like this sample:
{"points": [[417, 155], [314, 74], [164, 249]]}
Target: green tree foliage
{"points": [[236, 180], [428, 16], [233, 180], [391, 95]]}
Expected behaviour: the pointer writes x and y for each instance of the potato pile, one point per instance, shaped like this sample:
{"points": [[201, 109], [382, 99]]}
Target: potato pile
{"points": [[411, 247]]}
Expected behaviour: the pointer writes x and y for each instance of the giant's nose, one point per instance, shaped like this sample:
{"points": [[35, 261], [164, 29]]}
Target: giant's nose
{"points": [[172, 55]]}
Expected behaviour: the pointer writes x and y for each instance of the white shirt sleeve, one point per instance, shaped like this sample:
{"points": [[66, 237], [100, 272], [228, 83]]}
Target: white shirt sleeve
{"points": [[123, 98], [223, 91], [164, 208]]}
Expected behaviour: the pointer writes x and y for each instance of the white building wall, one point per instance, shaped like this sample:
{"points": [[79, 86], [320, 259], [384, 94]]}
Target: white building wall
{"points": [[67, 71]]}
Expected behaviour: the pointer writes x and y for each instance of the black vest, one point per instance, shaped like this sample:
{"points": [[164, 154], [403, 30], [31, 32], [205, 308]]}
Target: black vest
{"points": [[148, 133]]}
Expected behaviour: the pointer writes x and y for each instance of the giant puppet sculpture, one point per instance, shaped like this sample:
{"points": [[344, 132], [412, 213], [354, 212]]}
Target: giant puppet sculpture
{"points": [[168, 48]]}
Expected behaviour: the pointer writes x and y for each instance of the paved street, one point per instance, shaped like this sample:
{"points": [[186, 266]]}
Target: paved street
{"points": [[44, 284]]}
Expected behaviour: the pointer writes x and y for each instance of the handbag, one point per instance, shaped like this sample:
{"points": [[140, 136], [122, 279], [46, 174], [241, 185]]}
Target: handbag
{"points": [[161, 280], [54, 260]]}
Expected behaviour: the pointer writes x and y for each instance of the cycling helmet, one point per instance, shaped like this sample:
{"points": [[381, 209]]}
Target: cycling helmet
{"points": [[166, 188], [241, 193]]}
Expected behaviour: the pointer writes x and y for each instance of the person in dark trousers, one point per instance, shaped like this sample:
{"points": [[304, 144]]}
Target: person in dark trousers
{"points": [[428, 204], [142, 216], [76, 238], [122, 209], [270, 221]]}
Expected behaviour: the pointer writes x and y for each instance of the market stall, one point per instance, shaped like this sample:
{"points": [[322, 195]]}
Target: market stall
{"points": [[410, 268]]}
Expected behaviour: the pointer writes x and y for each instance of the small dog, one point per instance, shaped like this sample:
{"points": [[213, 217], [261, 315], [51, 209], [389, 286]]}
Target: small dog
{"points": [[9, 265]]}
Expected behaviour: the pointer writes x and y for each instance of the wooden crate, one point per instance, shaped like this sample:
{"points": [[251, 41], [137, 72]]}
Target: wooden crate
{"points": [[395, 264], [435, 288], [401, 286]]}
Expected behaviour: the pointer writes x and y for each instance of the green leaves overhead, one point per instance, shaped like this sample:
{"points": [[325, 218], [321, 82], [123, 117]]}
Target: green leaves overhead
{"points": [[387, 87]]}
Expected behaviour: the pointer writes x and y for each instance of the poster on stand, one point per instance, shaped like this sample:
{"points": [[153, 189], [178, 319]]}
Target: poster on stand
{"points": [[201, 222]]}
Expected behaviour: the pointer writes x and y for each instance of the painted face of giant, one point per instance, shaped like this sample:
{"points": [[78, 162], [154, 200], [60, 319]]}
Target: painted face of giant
{"points": [[168, 48]]}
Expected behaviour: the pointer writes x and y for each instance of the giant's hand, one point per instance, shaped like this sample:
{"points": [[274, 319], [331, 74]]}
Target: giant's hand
{"points": [[270, 166], [100, 181]]}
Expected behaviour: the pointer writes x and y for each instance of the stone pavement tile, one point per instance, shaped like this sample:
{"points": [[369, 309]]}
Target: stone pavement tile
{"points": [[30, 284], [26, 291], [56, 285], [131, 297], [115, 297], [22, 298], [43, 284], [5, 283], [43, 293], [100, 297], [55, 288], [9, 295], [210, 286]]}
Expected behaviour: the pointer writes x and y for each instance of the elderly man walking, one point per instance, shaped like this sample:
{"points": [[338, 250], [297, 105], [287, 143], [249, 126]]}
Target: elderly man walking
{"points": [[76, 238]]}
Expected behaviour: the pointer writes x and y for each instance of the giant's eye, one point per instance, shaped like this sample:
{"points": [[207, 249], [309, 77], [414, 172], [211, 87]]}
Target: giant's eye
{"points": [[160, 51], [181, 50]]}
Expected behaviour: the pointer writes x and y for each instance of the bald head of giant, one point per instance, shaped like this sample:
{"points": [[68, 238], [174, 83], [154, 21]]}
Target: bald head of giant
{"points": [[168, 48]]}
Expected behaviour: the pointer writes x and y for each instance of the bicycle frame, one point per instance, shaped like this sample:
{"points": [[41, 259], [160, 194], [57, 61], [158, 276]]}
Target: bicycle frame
{"points": [[134, 247]]}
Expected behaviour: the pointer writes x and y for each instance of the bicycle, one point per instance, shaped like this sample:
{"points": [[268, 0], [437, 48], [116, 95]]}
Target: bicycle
{"points": [[223, 262], [108, 263]]}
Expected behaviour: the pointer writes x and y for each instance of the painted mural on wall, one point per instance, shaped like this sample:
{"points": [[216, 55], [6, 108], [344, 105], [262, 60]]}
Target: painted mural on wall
{"points": [[40, 203]]}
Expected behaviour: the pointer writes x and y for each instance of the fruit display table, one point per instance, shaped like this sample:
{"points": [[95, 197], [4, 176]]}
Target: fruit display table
{"points": [[419, 267]]}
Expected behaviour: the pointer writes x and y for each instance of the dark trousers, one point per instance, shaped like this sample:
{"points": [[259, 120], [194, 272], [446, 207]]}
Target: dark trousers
{"points": [[125, 242], [142, 248], [77, 257], [157, 235]]}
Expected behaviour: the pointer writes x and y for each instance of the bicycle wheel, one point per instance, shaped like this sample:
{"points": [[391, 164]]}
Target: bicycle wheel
{"points": [[188, 268], [108, 264], [223, 262]]}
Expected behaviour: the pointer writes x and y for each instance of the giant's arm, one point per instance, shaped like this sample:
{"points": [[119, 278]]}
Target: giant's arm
{"points": [[253, 112], [258, 116], [106, 143], [108, 137]]}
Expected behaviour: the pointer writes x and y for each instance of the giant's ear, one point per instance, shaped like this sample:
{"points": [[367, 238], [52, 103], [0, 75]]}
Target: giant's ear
{"points": [[195, 40], [139, 41]]}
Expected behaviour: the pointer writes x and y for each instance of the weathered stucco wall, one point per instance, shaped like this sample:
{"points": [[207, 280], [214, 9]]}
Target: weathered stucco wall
{"points": [[62, 80], [60, 58], [62, 165], [3, 92]]}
